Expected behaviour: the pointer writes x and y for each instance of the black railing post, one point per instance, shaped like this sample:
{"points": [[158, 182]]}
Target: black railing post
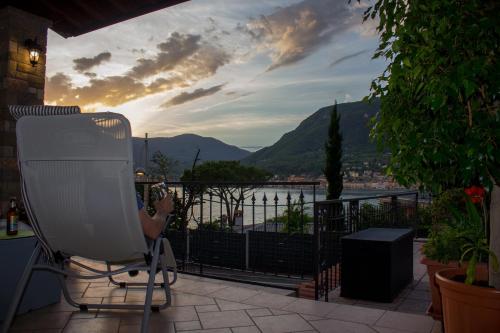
{"points": [[394, 208], [264, 199], [253, 211], [416, 216], [354, 215], [288, 205], [276, 212], [220, 218], [210, 195], [302, 253], [230, 218], [202, 235], [315, 251]]}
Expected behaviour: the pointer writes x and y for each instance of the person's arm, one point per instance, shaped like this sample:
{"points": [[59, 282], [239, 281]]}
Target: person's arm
{"points": [[153, 226]]}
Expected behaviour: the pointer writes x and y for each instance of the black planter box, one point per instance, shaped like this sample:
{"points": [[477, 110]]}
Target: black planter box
{"points": [[377, 263]]}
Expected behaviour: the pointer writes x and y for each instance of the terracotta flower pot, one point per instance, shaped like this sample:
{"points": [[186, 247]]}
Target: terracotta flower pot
{"points": [[468, 309], [433, 267]]}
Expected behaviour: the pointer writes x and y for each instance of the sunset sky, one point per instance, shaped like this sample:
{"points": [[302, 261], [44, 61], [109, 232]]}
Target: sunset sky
{"points": [[244, 72]]}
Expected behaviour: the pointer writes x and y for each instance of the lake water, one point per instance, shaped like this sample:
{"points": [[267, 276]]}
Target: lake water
{"points": [[269, 210]]}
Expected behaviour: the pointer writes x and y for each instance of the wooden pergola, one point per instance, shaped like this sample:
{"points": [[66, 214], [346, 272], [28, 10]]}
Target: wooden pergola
{"points": [[76, 17]]}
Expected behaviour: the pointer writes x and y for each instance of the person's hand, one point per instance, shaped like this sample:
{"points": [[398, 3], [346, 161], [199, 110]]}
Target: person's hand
{"points": [[165, 206]]}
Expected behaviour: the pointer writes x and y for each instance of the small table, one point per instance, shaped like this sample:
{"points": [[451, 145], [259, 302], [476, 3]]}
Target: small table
{"points": [[377, 263], [15, 251]]}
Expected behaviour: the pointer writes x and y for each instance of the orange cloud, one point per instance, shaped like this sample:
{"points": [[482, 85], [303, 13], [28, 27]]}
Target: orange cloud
{"points": [[295, 32], [182, 60]]}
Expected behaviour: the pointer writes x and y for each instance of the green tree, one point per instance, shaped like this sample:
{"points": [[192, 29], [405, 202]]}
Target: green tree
{"points": [[440, 94], [231, 172], [163, 165], [333, 151]]}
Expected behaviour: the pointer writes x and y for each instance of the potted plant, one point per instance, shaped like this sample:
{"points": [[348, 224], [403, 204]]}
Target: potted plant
{"points": [[442, 249], [469, 304]]}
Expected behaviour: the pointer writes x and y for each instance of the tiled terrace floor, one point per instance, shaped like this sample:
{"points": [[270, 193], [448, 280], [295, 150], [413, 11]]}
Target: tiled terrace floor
{"points": [[204, 305]]}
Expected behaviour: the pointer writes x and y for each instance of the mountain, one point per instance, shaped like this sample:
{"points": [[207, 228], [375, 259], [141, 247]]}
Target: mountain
{"points": [[301, 151], [183, 148]]}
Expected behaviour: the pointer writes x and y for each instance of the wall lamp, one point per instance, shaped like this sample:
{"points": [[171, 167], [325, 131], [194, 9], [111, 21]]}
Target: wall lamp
{"points": [[34, 50], [140, 172]]}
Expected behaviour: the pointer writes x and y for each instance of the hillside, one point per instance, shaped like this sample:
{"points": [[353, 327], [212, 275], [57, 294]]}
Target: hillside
{"points": [[183, 149], [301, 151]]}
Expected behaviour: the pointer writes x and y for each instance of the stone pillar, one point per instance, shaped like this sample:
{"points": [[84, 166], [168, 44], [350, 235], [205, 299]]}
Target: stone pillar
{"points": [[20, 83]]}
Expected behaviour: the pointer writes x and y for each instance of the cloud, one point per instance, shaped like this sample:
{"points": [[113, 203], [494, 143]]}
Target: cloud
{"points": [[175, 50], [181, 61], [83, 64], [347, 57], [296, 31], [109, 91], [184, 54], [187, 97]]}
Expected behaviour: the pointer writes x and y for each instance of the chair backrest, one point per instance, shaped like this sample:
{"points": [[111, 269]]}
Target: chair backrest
{"points": [[77, 175], [18, 111]]}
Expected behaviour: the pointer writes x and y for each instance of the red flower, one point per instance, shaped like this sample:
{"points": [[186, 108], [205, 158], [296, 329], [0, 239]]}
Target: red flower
{"points": [[475, 193]]}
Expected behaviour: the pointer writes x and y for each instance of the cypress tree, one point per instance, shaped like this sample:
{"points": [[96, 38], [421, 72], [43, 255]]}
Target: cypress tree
{"points": [[333, 151]]}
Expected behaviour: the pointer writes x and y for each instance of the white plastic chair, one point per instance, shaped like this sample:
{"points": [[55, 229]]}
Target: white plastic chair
{"points": [[79, 193]]}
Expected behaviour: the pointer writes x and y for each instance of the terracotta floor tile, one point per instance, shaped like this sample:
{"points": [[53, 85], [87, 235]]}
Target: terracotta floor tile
{"points": [[228, 305], [234, 294], [213, 330], [154, 327], [247, 329], [207, 308], [281, 324], [406, 321], [356, 314], [49, 330], [277, 312], [139, 295], [97, 325], [270, 300], [338, 326], [104, 292], [41, 320], [181, 299], [178, 313], [225, 319], [200, 288], [311, 307], [187, 325], [259, 312]]}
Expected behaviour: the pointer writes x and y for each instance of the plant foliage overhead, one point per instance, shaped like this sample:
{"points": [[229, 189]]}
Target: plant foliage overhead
{"points": [[440, 91]]}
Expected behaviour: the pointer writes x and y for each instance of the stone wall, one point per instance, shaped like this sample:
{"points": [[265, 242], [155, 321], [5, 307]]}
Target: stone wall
{"points": [[20, 83]]}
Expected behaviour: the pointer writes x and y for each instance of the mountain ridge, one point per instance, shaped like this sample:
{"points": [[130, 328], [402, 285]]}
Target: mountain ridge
{"points": [[301, 151], [183, 148]]}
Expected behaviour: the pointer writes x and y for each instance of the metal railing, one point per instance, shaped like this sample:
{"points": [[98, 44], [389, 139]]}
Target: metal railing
{"points": [[256, 232], [334, 219], [273, 233]]}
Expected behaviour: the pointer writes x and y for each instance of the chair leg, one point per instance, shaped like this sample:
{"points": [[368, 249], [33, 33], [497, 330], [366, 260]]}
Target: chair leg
{"points": [[113, 281], [149, 291], [166, 283], [20, 288]]}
